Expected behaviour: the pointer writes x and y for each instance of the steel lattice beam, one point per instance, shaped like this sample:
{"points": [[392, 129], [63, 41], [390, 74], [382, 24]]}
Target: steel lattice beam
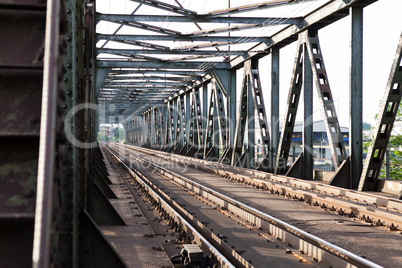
{"points": [[188, 38], [196, 65], [168, 7], [167, 19], [116, 51]]}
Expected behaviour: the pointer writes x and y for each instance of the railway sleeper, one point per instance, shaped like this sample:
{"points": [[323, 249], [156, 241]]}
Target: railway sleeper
{"points": [[246, 213]]}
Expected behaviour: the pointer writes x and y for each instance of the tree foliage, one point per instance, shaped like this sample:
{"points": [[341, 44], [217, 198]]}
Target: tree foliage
{"points": [[116, 134], [395, 170], [366, 126]]}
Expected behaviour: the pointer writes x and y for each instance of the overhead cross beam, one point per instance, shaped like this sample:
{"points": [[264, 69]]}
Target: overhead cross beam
{"points": [[168, 7], [169, 52], [142, 88], [157, 71], [157, 84], [188, 38], [167, 19], [142, 78], [251, 7], [143, 44], [196, 65]]}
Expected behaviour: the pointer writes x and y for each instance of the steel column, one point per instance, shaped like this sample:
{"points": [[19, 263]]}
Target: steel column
{"points": [[204, 113], [197, 137], [182, 113], [187, 122], [152, 137], [250, 127], [274, 106], [356, 97], [210, 128], [308, 150], [175, 137], [164, 125], [237, 153], [231, 108]]}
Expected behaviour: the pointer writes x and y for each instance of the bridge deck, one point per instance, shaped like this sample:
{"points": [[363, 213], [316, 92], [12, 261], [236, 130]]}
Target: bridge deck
{"points": [[135, 242], [349, 233]]}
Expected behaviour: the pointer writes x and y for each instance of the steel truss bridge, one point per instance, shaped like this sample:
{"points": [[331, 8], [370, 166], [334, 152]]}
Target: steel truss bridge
{"points": [[169, 74]]}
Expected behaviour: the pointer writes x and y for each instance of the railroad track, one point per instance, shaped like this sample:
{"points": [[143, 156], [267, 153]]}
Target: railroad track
{"points": [[305, 247], [369, 208]]}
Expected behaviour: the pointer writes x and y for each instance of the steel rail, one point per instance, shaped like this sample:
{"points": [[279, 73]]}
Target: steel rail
{"points": [[166, 203], [309, 244], [352, 195], [344, 203]]}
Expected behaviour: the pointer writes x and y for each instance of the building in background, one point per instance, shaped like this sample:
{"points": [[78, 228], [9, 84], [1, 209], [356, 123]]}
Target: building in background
{"points": [[322, 151], [106, 132]]}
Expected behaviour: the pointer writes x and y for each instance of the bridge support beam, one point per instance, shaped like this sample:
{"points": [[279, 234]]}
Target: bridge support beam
{"points": [[356, 97], [308, 150], [231, 111], [187, 120], [383, 129], [204, 113], [250, 127], [274, 106]]}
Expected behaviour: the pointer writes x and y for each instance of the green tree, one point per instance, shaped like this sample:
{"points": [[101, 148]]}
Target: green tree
{"points": [[366, 126], [395, 171], [395, 145]]}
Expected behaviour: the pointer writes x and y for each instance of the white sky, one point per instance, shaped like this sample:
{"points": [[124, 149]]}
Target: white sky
{"points": [[382, 28]]}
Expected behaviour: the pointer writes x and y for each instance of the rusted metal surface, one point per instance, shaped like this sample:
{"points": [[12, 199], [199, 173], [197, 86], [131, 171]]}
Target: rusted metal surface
{"points": [[25, 32], [25, 3], [16, 239], [21, 61], [18, 168], [20, 101]]}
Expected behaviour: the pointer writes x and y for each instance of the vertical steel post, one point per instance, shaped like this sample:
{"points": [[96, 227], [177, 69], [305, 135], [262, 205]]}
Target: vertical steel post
{"points": [[152, 136], [274, 106], [308, 150], [134, 131], [182, 114], [145, 129], [174, 132], [250, 126], [44, 196], [204, 117], [146, 123], [164, 125], [188, 117], [231, 108], [216, 144], [356, 97]]}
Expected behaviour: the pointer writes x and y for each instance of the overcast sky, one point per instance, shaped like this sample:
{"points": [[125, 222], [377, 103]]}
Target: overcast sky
{"points": [[382, 28]]}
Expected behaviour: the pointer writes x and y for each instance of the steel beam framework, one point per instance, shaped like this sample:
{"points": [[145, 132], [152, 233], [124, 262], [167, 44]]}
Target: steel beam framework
{"points": [[202, 117]]}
